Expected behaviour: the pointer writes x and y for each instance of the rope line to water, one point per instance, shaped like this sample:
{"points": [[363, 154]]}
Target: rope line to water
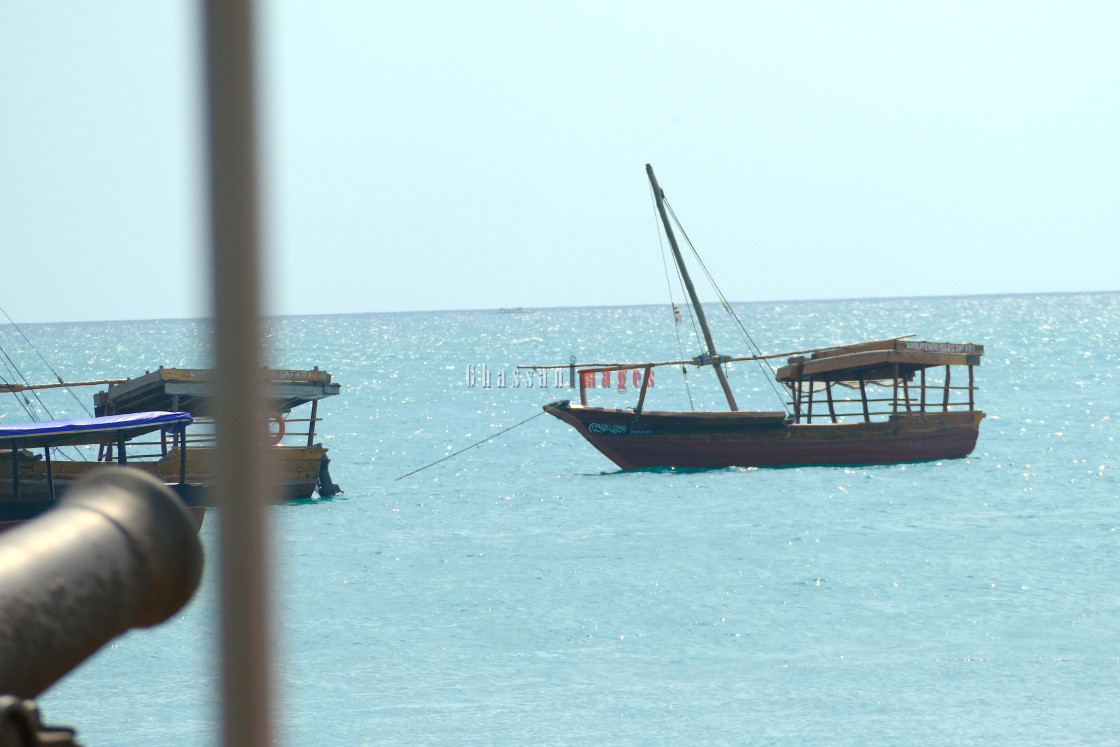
{"points": [[488, 438]]}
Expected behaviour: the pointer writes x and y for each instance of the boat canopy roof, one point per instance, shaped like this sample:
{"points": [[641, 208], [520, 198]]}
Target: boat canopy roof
{"points": [[837, 363], [89, 431], [878, 360], [192, 390]]}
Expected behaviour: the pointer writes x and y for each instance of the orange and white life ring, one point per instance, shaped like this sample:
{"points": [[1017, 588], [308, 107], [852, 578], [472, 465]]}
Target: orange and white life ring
{"points": [[274, 437]]}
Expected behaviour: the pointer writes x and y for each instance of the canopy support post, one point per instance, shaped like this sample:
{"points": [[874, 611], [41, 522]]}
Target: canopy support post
{"points": [[183, 457], [50, 471], [863, 397], [971, 387], [809, 408], [642, 393], [15, 472], [945, 399], [311, 425], [894, 392]]}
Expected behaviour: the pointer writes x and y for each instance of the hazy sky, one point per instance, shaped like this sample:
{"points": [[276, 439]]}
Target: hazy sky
{"points": [[478, 155]]}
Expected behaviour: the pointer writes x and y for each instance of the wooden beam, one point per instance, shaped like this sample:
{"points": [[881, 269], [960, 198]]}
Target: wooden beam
{"points": [[971, 388], [894, 391], [28, 387], [642, 393], [809, 410], [726, 359], [945, 399], [863, 398]]}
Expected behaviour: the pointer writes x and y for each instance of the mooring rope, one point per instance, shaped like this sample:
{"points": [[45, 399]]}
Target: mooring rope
{"points": [[488, 438]]}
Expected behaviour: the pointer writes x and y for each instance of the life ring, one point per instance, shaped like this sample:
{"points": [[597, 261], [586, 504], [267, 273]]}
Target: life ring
{"points": [[274, 438]]}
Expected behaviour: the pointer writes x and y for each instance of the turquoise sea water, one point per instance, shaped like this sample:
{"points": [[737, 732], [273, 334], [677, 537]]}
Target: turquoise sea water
{"points": [[527, 592]]}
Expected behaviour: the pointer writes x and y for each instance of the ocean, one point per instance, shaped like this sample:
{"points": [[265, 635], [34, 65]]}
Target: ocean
{"points": [[527, 592]]}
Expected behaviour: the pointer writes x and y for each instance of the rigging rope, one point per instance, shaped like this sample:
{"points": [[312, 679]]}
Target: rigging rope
{"points": [[23, 401], [47, 364], [768, 371], [488, 438], [673, 301]]}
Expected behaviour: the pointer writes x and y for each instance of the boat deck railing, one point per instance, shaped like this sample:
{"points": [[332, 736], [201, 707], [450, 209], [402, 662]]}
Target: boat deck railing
{"points": [[906, 397], [912, 390], [204, 438], [640, 376]]}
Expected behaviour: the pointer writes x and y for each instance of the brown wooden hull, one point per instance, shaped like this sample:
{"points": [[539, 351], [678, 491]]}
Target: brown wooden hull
{"points": [[296, 470], [744, 439], [36, 501]]}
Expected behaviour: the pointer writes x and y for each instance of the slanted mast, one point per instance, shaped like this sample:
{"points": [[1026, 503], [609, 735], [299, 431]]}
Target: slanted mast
{"points": [[659, 196]]}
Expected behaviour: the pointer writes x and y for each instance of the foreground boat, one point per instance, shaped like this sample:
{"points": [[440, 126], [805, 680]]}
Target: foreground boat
{"points": [[300, 464], [921, 415], [30, 482]]}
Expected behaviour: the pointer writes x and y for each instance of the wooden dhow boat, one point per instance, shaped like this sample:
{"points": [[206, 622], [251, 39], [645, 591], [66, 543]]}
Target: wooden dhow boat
{"points": [[300, 463], [31, 482], [187, 455], [922, 414]]}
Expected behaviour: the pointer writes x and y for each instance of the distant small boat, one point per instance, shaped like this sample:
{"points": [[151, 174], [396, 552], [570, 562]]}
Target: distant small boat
{"points": [[30, 483], [915, 420], [513, 310]]}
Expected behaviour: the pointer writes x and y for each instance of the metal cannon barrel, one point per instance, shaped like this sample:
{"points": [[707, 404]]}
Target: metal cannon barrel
{"points": [[119, 551]]}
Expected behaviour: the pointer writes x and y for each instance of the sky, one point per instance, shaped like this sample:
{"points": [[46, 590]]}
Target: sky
{"points": [[439, 155]]}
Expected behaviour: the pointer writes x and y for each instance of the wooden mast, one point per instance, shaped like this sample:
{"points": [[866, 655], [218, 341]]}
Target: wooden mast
{"points": [[659, 196]]}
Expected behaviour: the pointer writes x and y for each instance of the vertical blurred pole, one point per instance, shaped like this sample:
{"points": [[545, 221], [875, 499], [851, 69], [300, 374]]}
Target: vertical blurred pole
{"points": [[241, 482]]}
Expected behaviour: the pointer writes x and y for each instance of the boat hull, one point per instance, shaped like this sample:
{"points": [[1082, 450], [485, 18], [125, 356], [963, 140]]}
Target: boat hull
{"points": [[295, 469], [36, 501], [747, 439]]}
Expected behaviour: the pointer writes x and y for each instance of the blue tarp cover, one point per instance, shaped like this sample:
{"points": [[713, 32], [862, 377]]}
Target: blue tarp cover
{"points": [[90, 430]]}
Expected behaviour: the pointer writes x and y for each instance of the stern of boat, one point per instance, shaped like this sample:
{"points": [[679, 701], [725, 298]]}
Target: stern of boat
{"points": [[298, 472]]}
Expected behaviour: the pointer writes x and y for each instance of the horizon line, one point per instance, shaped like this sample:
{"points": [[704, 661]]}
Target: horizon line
{"points": [[592, 306]]}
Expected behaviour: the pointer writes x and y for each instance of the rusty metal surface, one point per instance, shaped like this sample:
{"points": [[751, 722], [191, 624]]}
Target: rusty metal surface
{"points": [[118, 552], [22, 726]]}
